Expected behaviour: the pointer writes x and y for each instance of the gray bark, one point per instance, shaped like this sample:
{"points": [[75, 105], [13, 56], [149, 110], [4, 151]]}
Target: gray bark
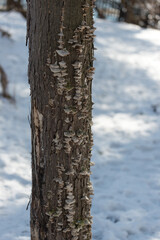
{"points": [[60, 37]]}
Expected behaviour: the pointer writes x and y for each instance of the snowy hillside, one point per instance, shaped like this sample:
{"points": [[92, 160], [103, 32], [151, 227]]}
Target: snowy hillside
{"points": [[126, 92]]}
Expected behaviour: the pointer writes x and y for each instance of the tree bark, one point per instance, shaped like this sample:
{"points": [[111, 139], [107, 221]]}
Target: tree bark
{"points": [[60, 37]]}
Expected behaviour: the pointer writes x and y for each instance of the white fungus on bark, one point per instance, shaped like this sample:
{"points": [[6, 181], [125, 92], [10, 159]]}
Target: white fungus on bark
{"points": [[63, 52]]}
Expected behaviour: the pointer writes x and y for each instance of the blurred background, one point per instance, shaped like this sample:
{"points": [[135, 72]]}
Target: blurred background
{"points": [[126, 117]]}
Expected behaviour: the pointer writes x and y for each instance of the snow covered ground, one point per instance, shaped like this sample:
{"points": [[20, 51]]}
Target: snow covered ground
{"points": [[15, 163], [126, 92]]}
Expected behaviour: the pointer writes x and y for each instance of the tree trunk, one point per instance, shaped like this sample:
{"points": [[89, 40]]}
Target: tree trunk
{"points": [[3, 81], [60, 37], [9, 4], [16, 5], [130, 16], [4, 84], [100, 12], [134, 11]]}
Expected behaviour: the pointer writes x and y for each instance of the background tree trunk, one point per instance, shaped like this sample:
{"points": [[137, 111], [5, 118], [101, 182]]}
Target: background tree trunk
{"points": [[60, 74], [9, 4], [16, 5], [4, 84], [135, 11], [3, 81], [130, 15]]}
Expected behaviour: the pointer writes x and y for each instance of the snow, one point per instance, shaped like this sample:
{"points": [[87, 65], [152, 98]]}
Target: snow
{"points": [[126, 92], [15, 163]]}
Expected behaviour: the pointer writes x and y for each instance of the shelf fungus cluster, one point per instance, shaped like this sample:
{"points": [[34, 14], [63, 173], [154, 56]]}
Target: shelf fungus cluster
{"points": [[58, 145], [59, 68], [59, 71], [72, 72]]}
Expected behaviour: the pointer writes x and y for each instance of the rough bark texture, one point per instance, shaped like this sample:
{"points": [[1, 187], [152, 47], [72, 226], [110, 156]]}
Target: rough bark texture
{"points": [[60, 37]]}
